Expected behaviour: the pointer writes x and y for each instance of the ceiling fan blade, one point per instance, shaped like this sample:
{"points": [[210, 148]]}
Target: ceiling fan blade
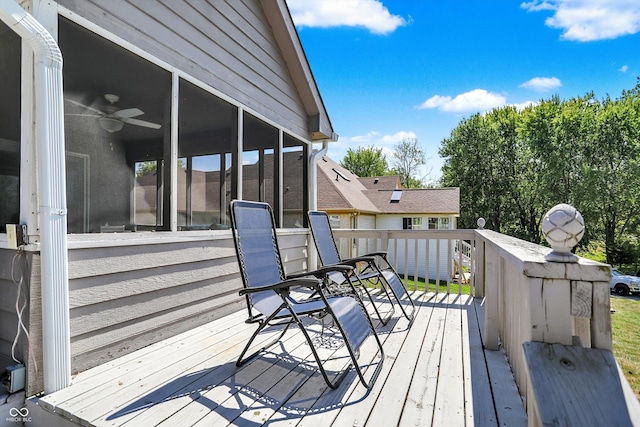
{"points": [[142, 123], [79, 104], [83, 115], [128, 112]]}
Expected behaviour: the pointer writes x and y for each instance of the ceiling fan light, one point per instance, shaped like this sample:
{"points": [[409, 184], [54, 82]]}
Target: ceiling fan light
{"points": [[110, 125]]}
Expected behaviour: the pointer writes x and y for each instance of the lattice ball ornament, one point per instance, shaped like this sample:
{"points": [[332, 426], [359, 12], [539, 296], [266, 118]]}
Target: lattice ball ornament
{"points": [[563, 227]]}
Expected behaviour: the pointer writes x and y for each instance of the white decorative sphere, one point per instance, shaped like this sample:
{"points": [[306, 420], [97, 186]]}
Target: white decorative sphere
{"points": [[481, 223], [563, 227]]}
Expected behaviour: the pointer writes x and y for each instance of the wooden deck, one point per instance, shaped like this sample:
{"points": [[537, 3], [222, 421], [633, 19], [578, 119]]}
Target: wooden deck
{"points": [[435, 373]]}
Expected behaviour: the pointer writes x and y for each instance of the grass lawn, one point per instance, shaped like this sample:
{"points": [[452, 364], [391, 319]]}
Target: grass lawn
{"points": [[625, 324], [432, 286]]}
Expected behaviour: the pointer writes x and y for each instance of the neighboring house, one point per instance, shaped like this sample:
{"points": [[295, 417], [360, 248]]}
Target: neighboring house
{"points": [[381, 203], [170, 110]]}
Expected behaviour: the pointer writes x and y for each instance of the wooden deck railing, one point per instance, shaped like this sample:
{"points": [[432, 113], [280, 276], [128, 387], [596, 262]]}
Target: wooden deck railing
{"points": [[528, 301], [432, 254]]}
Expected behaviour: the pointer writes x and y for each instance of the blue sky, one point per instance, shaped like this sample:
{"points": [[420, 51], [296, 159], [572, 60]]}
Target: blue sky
{"points": [[388, 69]]}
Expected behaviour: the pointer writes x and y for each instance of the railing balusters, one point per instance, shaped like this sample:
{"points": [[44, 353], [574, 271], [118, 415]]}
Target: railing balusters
{"points": [[415, 261], [441, 248], [427, 264], [437, 265]]}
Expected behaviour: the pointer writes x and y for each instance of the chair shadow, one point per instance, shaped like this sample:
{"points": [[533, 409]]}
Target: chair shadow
{"points": [[273, 382]]}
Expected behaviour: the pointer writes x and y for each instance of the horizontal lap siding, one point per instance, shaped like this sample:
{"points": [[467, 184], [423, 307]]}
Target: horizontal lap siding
{"points": [[123, 298], [226, 44], [293, 250]]}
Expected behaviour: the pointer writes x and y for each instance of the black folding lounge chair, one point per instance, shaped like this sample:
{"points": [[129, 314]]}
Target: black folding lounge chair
{"points": [[329, 255], [268, 291]]}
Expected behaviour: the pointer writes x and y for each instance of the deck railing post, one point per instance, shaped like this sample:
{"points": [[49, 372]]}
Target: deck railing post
{"points": [[478, 272], [492, 286], [533, 294]]}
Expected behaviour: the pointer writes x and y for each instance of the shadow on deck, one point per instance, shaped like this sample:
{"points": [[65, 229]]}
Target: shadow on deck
{"points": [[435, 373]]}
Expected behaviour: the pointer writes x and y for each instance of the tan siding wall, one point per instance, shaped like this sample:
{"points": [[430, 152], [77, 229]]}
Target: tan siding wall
{"points": [[226, 44]]}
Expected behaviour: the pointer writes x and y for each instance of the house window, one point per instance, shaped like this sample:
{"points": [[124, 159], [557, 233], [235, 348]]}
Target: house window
{"points": [[207, 135], [413, 223], [294, 183], [10, 57], [445, 224], [120, 156], [439, 223], [117, 125], [334, 221], [259, 162]]}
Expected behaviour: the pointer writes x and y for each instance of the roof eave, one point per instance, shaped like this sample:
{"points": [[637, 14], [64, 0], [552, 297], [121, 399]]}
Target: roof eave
{"points": [[284, 30]]}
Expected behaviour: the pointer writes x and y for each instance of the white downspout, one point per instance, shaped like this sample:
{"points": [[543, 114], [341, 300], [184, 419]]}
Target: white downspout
{"points": [[312, 258], [313, 175], [49, 134]]}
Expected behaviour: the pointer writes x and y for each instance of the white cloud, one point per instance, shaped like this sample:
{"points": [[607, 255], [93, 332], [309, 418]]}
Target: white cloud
{"points": [[589, 20], [370, 14], [542, 84], [537, 5], [521, 106], [475, 100], [624, 68], [337, 150]]}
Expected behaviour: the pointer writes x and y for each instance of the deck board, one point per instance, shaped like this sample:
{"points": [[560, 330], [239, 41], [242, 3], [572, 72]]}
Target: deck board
{"points": [[394, 391], [434, 373], [420, 401]]}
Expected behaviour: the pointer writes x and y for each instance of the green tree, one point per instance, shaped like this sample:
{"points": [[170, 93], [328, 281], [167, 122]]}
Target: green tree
{"points": [[145, 168], [407, 157], [151, 166], [512, 166], [612, 170], [464, 152], [480, 158], [366, 162]]}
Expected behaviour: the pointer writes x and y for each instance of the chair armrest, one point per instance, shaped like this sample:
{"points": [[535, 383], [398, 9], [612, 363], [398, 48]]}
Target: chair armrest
{"points": [[364, 258], [378, 253], [322, 271], [284, 285]]}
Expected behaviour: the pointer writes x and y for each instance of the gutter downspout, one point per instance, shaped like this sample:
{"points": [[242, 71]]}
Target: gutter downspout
{"points": [[49, 135], [313, 174], [312, 259]]}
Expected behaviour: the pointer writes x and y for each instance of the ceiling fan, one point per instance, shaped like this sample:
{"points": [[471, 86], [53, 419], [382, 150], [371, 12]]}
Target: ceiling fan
{"points": [[111, 118]]}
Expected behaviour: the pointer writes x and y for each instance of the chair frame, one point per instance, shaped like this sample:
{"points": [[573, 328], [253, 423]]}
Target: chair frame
{"points": [[373, 268], [291, 310]]}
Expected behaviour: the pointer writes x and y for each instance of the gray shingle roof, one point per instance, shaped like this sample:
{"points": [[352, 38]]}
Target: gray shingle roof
{"points": [[390, 182], [335, 193], [418, 200]]}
